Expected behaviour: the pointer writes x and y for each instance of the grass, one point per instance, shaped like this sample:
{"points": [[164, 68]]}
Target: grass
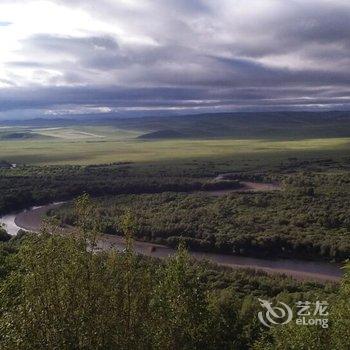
{"points": [[94, 145]]}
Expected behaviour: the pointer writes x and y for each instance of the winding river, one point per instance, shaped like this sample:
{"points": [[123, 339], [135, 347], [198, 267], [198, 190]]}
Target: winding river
{"points": [[31, 220]]}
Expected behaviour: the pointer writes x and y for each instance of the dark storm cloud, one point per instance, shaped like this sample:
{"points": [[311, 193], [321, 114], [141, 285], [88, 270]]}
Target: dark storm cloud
{"points": [[301, 26], [191, 54]]}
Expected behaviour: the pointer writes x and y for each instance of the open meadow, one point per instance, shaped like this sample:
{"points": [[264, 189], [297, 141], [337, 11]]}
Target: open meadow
{"points": [[98, 145]]}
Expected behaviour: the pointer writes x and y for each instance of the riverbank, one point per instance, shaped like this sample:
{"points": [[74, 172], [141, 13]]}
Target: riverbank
{"points": [[28, 219], [32, 219], [300, 270]]}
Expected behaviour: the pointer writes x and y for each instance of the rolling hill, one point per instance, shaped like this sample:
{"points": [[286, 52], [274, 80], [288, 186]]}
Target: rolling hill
{"points": [[261, 125]]}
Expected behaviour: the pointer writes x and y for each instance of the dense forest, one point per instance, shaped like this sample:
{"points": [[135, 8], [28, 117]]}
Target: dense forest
{"points": [[25, 186], [307, 219], [57, 292]]}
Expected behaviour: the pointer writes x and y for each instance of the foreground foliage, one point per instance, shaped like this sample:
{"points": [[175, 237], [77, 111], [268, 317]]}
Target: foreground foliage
{"points": [[57, 295], [60, 292], [61, 296]]}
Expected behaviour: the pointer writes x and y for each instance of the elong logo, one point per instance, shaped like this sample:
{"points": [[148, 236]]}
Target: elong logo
{"points": [[282, 313]]}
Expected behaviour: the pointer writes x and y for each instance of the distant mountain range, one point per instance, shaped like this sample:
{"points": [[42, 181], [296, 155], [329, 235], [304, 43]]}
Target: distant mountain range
{"points": [[274, 125]]}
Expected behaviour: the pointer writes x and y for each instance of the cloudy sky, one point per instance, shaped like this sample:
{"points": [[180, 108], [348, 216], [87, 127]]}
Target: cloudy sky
{"points": [[145, 57]]}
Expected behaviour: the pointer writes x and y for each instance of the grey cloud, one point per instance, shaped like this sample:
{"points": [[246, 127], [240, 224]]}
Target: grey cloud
{"points": [[200, 58], [72, 44], [101, 52]]}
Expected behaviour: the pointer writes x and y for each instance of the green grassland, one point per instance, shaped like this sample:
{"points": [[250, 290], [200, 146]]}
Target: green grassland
{"points": [[239, 138], [97, 144]]}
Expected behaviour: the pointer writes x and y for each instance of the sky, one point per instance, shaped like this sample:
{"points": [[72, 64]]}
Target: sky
{"points": [[154, 57]]}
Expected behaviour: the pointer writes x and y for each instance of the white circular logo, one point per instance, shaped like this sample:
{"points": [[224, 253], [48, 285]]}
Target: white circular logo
{"points": [[274, 315]]}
